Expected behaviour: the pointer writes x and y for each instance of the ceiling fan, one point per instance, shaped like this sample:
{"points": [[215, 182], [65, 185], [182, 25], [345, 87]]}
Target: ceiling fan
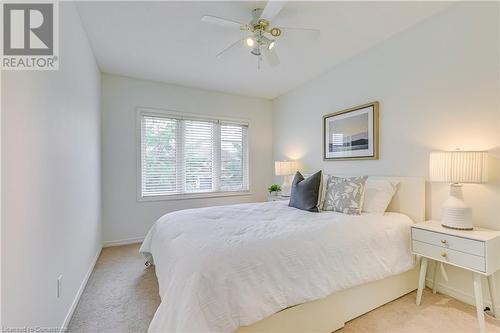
{"points": [[260, 36]]}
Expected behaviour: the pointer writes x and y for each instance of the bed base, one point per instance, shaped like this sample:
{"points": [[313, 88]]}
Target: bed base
{"points": [[331, 313]]}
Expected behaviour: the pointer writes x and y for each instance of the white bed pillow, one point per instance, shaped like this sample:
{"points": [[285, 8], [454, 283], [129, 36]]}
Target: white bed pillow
{"points": [[378, 195]]}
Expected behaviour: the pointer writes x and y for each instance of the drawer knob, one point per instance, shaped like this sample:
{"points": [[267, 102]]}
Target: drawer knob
{"points": [[443, 241], [443, 254]]}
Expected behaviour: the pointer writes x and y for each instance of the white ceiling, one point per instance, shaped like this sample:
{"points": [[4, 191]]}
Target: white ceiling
{"points": [[165, 41]]}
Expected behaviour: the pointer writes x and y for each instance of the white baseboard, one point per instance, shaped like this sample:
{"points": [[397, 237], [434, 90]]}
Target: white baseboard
{"points": [[123, 242], [64, 326], [459, 294]]}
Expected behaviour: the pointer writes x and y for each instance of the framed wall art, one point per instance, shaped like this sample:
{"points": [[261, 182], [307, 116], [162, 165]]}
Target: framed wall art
{"points": [[351, 134]]}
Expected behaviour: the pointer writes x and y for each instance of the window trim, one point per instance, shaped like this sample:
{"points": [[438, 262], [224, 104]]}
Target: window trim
{"points": [[147, 111]]}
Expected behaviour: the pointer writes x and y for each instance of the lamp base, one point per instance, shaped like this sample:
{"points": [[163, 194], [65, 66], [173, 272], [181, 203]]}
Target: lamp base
{"points": [[285, 190], [286, 187], [455, 212]]}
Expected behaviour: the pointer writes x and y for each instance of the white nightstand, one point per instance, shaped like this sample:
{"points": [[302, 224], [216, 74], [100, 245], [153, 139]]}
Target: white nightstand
{"points": [[277, 198], [477, 251]]}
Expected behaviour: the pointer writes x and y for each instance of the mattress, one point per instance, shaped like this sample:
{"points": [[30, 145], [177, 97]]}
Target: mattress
{"points": [[219, 268]]}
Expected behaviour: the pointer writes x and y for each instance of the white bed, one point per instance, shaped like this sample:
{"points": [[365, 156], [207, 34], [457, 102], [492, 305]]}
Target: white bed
{"points": [[237, 267]]}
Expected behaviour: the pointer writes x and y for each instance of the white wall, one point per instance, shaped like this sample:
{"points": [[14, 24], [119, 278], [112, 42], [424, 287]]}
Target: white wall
{"points": [[125, 218], [51, 216], [437, 84]]}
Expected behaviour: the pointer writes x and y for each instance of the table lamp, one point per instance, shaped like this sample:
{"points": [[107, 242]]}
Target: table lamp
{"points": [[286, 169], [457, 167]]}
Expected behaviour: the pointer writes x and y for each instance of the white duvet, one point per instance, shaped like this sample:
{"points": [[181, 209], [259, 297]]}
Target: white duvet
{"points": [[219, 268]]}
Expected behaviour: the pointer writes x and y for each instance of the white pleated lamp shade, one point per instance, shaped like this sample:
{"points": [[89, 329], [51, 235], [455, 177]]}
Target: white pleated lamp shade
{"points": [[459, 166], [285, 168]]}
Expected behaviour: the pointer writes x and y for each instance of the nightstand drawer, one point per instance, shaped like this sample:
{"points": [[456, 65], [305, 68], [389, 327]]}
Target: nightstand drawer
{"points": [[449, 256], [445, 241]]}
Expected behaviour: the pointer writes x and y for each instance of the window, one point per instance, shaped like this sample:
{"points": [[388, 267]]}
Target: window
{"points": [[186, 156]]}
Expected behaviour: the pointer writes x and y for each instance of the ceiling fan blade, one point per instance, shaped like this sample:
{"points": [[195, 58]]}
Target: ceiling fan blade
{"points": [[272, 9], [271, 57], [231, 47], [222, 22], [308, 33]]}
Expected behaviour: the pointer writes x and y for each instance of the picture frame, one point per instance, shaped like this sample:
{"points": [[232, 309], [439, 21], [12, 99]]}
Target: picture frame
{"points": [[352, 134]]}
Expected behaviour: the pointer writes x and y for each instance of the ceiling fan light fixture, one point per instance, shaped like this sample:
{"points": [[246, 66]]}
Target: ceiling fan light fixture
{"points": [[260, 36], [250, 42]]}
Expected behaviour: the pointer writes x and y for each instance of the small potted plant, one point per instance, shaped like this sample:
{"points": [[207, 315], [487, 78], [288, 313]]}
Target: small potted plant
{"points": [[274, 189]]}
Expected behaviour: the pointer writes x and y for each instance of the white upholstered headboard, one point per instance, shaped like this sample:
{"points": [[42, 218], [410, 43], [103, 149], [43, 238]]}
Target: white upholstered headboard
{"points": [[409, 198]]}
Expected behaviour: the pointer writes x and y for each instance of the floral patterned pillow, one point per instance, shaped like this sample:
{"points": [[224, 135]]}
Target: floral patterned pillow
{"points": [[345, 195]]}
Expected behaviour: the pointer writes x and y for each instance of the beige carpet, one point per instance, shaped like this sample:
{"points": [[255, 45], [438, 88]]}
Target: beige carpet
{"points": [[122, 296]]}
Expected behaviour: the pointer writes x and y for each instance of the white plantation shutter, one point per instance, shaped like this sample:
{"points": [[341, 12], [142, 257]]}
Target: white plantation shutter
{"points": [[159, 155], [181, 156], [233, 173], [198, 156]]}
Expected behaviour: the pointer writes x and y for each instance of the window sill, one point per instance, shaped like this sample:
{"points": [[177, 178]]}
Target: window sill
{"points": [[192, 196]]}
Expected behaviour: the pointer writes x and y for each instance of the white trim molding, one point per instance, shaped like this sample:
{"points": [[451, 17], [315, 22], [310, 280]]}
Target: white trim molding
{"points": [[457, 294], [72, 308], [201, 195], [122, 242]]}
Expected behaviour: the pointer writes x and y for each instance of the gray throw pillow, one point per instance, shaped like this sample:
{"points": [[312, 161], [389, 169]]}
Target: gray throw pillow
{"points": [[305, 192], [345, 195]]}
